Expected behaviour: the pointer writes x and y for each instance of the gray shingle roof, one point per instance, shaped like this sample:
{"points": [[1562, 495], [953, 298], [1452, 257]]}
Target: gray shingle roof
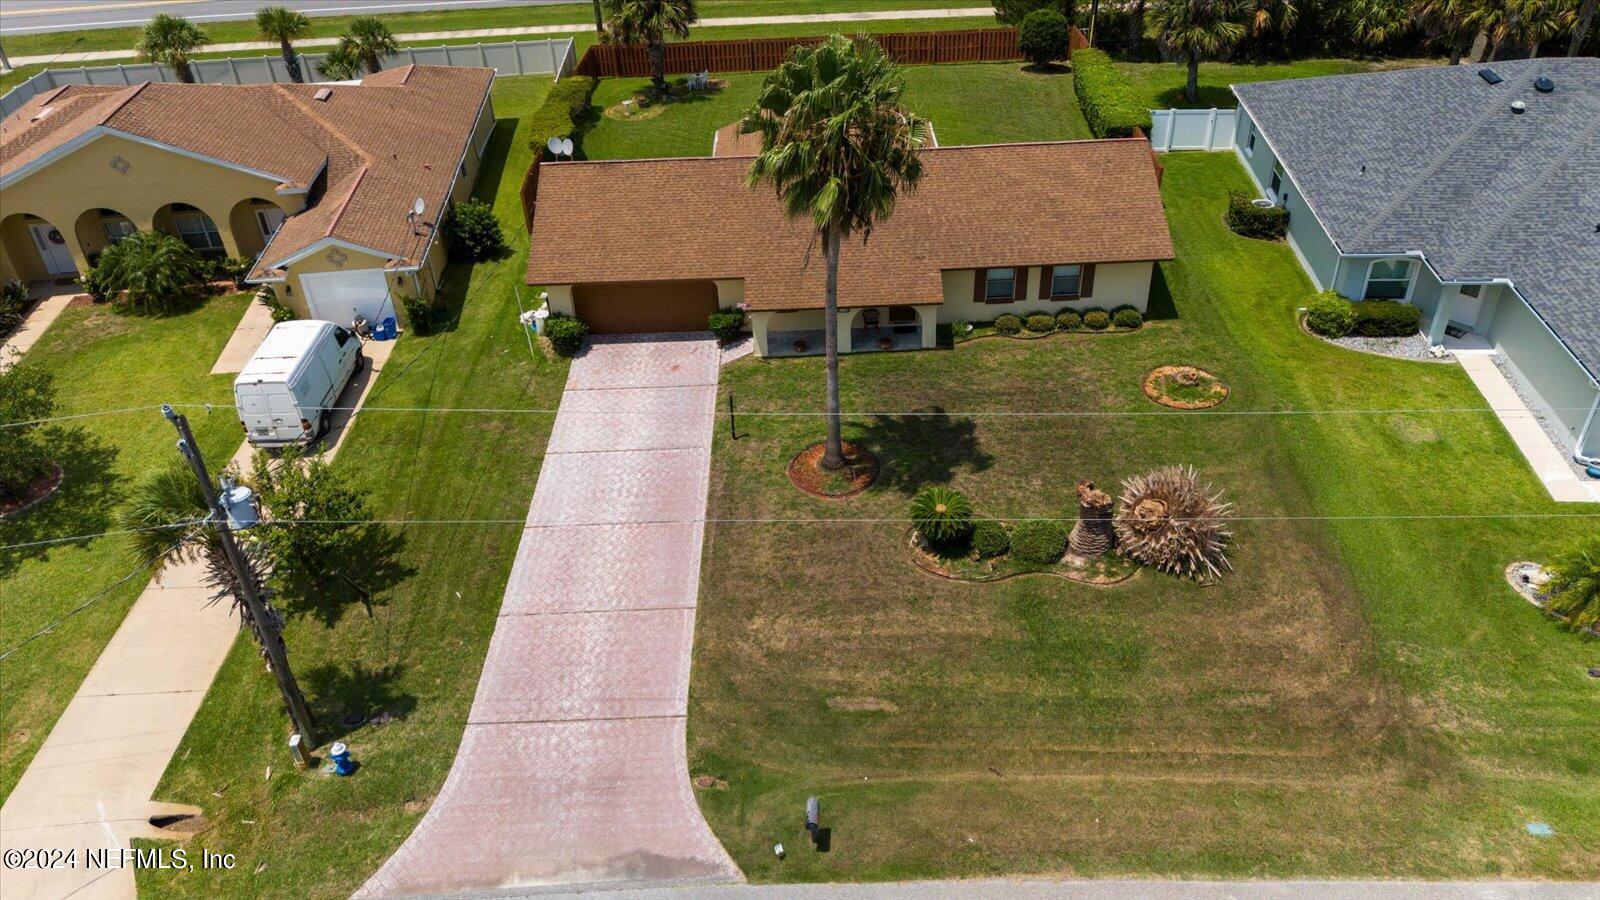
{"points": [[1452, 172]]}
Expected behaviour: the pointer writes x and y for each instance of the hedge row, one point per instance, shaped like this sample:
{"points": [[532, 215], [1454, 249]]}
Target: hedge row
{"points": [[1109, 102], [1334, 316], [563, 108]]}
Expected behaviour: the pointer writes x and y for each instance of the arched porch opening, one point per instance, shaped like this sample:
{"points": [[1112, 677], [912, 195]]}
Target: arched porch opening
{"points": [[194, 227], [99, 228], [254, 221], [36, 250]]}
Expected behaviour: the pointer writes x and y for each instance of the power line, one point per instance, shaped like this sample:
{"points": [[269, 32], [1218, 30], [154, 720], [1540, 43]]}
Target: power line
{"points": [[96, 598], [98, 534]]}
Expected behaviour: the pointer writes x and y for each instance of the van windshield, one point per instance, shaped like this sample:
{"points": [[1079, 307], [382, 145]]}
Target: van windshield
{"points": [[341, 335]]}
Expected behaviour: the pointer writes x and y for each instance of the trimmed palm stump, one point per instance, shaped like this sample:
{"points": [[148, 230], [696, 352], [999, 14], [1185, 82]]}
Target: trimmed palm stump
{"points": [[1094, 534]]}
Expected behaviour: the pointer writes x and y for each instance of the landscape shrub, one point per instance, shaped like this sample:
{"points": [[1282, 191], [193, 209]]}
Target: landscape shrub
{"points": [[1044, 36], [269, 298], [566, 333], [1385, 318], [1013, 12], [1330, 314], [1110, 104], [13, 297], [1043, 323], [154, 271], [989, 539], [232, 268], [959, 329], [563, 108], [1245, 218], [1070, 320], [1038, 543], [943, 516], [727, 324], [1008, 324], [1127, 317], [1097, 320], [423, 316], [27, 394], [473, 232]]}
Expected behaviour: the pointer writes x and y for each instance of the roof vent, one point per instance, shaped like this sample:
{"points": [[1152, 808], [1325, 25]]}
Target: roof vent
{"points": [[322, 94], [1543, 85], [1490, 76], [1518, 107]]}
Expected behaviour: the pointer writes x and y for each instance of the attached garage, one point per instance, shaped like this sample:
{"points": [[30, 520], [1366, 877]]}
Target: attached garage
{"points": [[341, 296], [631, 307]]}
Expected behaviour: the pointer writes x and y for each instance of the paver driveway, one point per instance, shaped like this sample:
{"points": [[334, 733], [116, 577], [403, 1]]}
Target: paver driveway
{"points": [[573, 768]]}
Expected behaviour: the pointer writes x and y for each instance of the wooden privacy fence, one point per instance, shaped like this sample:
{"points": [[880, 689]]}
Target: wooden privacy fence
{"points": [[760, 54], [530, 189]]}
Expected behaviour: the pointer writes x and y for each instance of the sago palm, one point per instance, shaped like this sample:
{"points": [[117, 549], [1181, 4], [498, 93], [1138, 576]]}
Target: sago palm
{"points": [[838, 147], [649, 22], [170, 41], [1196, 29], [284, 25], [1574, 587]]}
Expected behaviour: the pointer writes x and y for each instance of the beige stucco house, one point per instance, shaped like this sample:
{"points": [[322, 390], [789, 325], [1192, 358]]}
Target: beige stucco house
{"points": [[657, 245], [316, 183]]}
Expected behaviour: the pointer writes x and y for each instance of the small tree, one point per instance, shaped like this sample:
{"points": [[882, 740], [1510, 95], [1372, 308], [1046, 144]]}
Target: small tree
{"points": [[341, 62], [649, 22], [284, 25], [156, 272], [1574, 588], [316, 521], [1013, 12], [170, 41], [27, 394], [473, 232], [1044, 36], [1195, 29], [368, 41]]}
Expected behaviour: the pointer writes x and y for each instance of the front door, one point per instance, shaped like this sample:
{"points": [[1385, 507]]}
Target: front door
{"points": [[52, 249], [1469, 302], [269, 219]]}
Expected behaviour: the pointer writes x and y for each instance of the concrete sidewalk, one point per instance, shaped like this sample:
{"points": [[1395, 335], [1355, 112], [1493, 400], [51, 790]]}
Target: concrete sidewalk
{"points": [[1548, 461], [1113, 889], [489, 35], [91, 783], [53, 300]]}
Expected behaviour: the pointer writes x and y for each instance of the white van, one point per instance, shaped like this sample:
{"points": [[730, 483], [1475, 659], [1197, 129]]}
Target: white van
{"points": [[285, 391]]}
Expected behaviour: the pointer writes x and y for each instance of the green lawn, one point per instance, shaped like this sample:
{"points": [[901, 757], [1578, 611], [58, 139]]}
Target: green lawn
{"points": [[1161, 84], [100, 359], [417, 653], [1360, 698], [968, 104]]}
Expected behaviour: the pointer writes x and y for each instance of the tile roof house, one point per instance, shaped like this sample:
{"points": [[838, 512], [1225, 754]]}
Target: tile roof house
{"points": [[1012, 228], [1472, 192], [313, 182]]}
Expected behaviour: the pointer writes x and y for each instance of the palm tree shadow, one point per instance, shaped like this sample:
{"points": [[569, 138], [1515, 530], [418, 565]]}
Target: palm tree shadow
{"points": [[367, 565], [345, 697], [84, 504], [925, 446]]}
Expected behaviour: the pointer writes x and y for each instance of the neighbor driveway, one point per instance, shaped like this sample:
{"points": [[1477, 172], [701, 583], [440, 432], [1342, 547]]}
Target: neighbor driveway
{"points": [[573, 767]]}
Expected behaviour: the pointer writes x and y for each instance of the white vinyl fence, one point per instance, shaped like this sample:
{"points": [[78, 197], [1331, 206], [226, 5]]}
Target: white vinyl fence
{"points": [[547, 57], [1192, 129]]}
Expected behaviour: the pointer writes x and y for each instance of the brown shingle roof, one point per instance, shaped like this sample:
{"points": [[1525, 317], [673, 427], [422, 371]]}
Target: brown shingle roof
{"points": [[730, 141], [397, 136], [998, 205]]}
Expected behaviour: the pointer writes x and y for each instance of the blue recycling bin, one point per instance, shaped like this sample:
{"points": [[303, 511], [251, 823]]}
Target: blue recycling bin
{"points": [[1593, 470], [385, 330]]}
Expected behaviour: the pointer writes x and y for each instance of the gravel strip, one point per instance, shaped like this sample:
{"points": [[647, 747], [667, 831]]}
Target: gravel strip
{"points": [[1553, 428]]}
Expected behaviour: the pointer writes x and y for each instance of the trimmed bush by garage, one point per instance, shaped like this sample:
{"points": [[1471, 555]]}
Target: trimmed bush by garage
{"points": [[1385, 318], [1330, 315], [566, 333], [1127, 317], [1246, 219], [1039, 543], [727, 324]]}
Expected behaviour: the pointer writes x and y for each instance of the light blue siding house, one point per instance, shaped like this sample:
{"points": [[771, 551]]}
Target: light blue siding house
{"points": [[1470, 191]]}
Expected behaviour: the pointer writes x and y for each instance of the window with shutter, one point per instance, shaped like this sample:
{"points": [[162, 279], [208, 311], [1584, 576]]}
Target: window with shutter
{"points": [[999, 285]]}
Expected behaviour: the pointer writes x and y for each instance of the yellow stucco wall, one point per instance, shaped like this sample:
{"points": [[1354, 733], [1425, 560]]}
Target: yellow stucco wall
{"points": [[86, 180], [1115, 284], [401, 284]]}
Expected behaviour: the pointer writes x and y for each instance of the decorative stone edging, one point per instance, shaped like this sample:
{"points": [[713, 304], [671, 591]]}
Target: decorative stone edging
{"points": [[849, 448], [1035, 336], [1156, 396], [921, 561], [1305, 326], [56, 480]]}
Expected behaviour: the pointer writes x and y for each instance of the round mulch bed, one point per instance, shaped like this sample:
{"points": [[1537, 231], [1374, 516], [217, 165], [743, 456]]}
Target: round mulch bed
{"points": [[36, 493], [1184, 387], [1106, 571], [859, 472]]}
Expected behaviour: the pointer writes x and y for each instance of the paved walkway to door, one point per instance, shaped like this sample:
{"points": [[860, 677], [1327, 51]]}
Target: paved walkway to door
{"points": [[573, 768], [52, 299], [90, 785]]}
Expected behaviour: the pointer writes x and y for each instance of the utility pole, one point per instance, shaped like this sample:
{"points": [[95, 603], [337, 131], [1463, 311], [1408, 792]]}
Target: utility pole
{"points": [[271, 637]]}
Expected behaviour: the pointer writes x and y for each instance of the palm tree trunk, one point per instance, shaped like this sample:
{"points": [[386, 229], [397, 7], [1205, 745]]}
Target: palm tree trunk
{"points": [[1094, 15], [1580, 30], [1456, 51], [658, 65], [373, 63], [1191, 89], [833, 450], [292, 62], [599, 20], [180, 68]]}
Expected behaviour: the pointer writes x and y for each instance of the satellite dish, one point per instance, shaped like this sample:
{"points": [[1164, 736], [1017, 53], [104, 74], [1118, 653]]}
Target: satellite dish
{"points": [[554, 144], [417, 206], [566, 146]]}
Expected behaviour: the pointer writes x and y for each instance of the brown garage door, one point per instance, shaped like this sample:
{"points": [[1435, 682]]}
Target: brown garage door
{"points": [[639, 306]]}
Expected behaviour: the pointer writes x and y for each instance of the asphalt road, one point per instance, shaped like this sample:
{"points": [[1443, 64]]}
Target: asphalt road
{"points": [[34, 16]]}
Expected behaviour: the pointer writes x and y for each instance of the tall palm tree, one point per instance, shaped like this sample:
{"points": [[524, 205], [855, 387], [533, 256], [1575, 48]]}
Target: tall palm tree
{"points": [[340, 63], [649, 22], [1197, 28], [369, 40], [837, 146], [282, 24], [1575, 584], [1448, 21], [1374, 23], [1523, 23], [170, 41], [1136, 26], [1266, 19], [1582, 26]]}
